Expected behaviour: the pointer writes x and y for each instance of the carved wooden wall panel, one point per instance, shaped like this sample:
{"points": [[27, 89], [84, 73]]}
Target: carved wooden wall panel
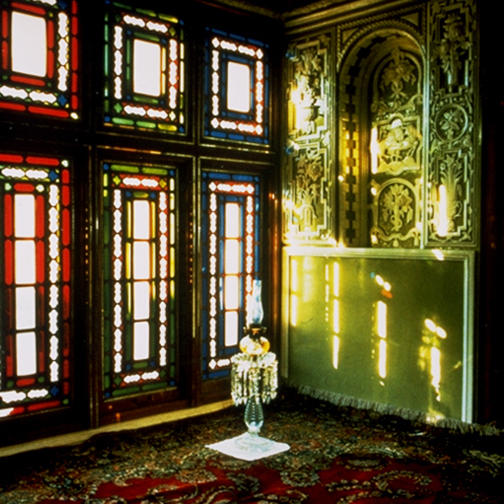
{"points": [[395, 145], [308, 191], [380, 134], [452, 199], [381, 142]]}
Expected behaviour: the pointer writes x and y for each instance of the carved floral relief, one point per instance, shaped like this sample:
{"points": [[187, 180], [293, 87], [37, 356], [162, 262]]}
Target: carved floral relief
{"points": [[396, 149], [452, 199], [307, 200]]}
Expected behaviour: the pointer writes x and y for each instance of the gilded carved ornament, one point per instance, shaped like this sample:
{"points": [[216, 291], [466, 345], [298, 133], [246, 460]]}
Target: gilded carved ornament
{"points": [[306, 198]]}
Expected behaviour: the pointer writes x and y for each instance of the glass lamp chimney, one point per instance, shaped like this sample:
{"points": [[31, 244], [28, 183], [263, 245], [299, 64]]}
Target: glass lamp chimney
{"points": [[255, 311]]}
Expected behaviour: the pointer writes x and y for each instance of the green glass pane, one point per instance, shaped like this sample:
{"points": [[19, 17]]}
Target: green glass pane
{"points": [[126, 391], [125, 168], [140, 365], [124, 122], [147, 12], [146, 124]]}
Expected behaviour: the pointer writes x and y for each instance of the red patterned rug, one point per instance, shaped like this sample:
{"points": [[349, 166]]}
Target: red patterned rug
{"points": [[337, 455]]}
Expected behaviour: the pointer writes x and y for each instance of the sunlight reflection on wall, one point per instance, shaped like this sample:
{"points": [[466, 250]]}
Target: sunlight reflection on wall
{"points": [[378, 329]]}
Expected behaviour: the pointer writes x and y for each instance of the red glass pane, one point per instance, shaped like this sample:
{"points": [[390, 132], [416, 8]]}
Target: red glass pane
{"points": [[50, 64], [11, 158], [65, 176], [41, 318], [75, 26], [8, 216], [50, 34], [5, 24], [22, 187], [66, 265], [65, 235], [11, 106], [40, 261], [65, 195], [66, 369], [66, 339], [75, 55], [75, 82], [41, 352], [48, 111], [43, 405], [42, 160], [40, 216], [28, 80], [66, 302], [29, 8], [9, 268], [25, 382], [9, 359], [5, 52]]}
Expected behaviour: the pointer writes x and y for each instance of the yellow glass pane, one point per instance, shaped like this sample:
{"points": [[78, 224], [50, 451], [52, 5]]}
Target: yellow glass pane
{"points": [[141, 219], [146, 68], [29, 44], [26, 353], [238, 87], [140, 340], [25, 262], [24, 216]]}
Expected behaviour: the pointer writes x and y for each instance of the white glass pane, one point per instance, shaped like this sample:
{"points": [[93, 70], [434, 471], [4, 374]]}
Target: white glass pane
{"points": [[140, 340], [29, 49], [231, 328], [238, 87], [231, 293], [141, 220], [146, 68], [141, 261], [25, 308], [25, 262], [232, 257], [24, 216], [141, 300], [232, 221], [26, 353]]}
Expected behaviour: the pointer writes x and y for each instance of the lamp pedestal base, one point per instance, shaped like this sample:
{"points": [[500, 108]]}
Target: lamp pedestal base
{"points": [[249, 447]]}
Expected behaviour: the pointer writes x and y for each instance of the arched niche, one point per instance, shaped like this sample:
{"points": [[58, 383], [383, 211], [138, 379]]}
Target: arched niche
{"points": [[381, 136]]}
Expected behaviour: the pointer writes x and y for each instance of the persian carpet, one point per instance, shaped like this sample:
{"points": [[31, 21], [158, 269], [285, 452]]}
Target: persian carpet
{"points": [[337, 455]]}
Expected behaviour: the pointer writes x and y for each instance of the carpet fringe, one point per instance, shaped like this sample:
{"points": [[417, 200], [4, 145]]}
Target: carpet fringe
{"points": [[406, 413]]}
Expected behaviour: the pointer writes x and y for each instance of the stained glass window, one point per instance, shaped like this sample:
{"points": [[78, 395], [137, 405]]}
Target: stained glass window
{"points": [[230, 251], [35, 276], [139, 275], [236, 88], [39, 59], [144, 70]]}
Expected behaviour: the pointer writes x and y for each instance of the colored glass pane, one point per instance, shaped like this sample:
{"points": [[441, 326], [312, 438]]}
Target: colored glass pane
{"points": [[35, 288], [139, 274], [39, 61], [144, 70], [236, 88], [230, 250]]}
